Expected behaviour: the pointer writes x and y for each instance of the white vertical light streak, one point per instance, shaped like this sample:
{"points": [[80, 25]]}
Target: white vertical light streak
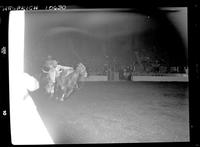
{"points": [[26, 124], [16, 59]]}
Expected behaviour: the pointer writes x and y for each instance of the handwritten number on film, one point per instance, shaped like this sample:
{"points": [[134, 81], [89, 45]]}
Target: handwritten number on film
{"points": [[4, 113], [3, 50]]}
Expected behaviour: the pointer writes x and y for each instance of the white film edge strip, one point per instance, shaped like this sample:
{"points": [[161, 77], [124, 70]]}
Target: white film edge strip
{"points": [[22, 113]]}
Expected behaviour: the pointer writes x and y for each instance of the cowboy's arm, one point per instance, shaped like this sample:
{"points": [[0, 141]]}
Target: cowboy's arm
{"points": [[65, 67], [45, 71]]}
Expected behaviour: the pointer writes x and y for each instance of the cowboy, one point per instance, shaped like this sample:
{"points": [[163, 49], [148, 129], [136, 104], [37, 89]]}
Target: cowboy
{"points": [[54, 71], [60, 68]]}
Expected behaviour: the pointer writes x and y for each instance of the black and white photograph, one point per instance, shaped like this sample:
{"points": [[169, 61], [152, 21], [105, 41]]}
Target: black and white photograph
{"points": [[101, 75]]}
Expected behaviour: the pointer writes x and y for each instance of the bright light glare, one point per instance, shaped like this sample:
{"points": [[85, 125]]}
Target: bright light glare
{"points": [[26, 124]]}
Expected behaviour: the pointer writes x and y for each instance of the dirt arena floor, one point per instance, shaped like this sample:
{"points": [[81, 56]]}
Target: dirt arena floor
{"points": [[118, 112]]}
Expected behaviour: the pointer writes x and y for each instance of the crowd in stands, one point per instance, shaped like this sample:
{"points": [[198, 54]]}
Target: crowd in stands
{"points": [[126, 71]]}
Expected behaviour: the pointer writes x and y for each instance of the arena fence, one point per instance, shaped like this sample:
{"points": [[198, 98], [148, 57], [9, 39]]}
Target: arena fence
{"points": [[163, 77], [95, 78], [166, 78]]}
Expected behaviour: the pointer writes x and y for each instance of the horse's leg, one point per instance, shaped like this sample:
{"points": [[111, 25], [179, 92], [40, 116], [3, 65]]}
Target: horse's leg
{"points": [[77, 85], [70, 92], [66, 93]]}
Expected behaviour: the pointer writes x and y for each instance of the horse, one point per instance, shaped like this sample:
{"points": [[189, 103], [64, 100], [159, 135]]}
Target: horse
{"points": [[68, 83]]}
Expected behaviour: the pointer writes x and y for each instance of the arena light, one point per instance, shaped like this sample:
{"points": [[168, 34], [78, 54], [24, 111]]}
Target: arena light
{"points": [[26, 124]]}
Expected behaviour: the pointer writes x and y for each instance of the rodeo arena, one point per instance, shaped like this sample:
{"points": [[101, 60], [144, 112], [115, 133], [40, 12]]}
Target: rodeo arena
{"points": [[142, 70], [92, 80]]}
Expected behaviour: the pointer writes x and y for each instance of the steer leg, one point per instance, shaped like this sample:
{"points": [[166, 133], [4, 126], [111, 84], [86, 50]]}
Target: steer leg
{"points": [[62, 98], [64, 93], [52, 90]]}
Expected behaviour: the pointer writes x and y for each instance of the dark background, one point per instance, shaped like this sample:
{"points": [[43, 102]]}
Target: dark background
{"points": [[194, 70], [98, 37]]}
